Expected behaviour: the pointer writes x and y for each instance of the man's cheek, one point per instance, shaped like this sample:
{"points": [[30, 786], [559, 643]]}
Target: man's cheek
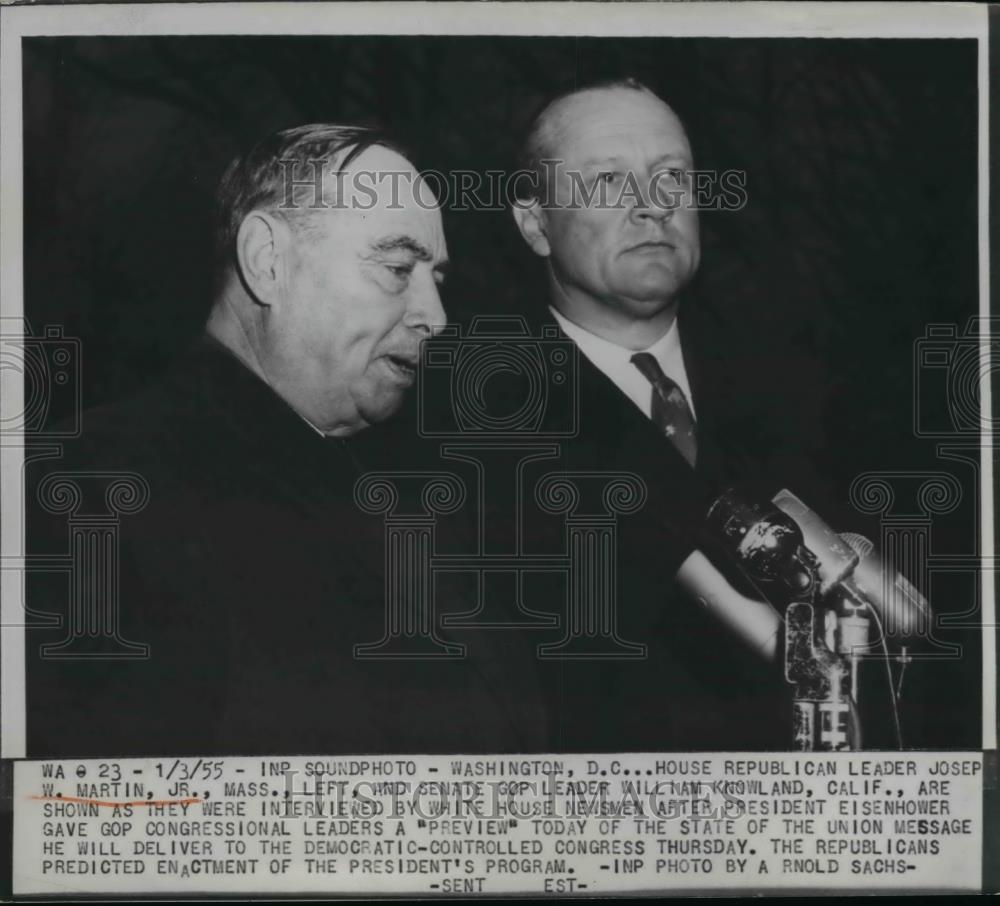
{"points": [[579, 237], [686, 223], [590, 243]]}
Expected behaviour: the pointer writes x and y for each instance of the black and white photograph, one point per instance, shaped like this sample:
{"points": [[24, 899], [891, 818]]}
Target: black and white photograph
{"points": [[599, 393]]}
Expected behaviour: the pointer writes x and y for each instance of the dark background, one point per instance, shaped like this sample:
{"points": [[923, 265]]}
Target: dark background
{"points": [[861, 226]]}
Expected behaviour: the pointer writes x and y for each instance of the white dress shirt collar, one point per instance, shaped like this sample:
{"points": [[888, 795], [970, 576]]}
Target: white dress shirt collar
{"points": [[616, 361]]}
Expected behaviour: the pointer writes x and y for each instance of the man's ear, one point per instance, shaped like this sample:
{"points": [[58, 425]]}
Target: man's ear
{"points": [[530, 220], [261, 251]]}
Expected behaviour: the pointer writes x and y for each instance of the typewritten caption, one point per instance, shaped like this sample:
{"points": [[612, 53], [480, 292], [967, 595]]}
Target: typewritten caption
{"points": [[532, 824]]}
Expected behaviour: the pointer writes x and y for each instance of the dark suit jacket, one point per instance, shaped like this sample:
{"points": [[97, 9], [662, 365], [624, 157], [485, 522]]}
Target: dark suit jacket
{"points": [[251, 574], [695, 688]]}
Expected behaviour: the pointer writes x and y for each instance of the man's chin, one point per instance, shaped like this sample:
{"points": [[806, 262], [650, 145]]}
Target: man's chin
{"points": [[384, 408], [647, 301], [652, 285]]}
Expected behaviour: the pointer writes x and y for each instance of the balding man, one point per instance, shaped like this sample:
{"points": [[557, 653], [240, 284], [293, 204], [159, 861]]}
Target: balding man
{"points": [[251, 574], [619, 248], [613, 217]]}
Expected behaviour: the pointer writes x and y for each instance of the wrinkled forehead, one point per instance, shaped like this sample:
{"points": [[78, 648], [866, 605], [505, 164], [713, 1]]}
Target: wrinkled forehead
{"points": [[380, 192], [380, 179], [612, 121]]}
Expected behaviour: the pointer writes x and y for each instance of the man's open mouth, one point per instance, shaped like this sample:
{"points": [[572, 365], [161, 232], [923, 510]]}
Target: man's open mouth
{"points": [[404, 365]]}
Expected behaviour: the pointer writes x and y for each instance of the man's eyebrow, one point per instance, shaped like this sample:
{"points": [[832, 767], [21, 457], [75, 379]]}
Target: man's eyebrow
{"points": [[680, 156], [596, 161], [409, 244], [404, 243]]}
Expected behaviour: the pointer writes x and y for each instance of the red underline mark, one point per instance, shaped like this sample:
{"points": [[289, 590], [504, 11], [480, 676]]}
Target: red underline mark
{"points": [[115, 804]]}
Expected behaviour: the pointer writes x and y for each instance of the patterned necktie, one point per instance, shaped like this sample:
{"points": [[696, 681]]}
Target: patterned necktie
{"points": [[670, 411]]}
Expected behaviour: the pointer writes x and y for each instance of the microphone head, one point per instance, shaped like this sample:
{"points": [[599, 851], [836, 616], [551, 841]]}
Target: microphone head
{"points": [[836, 557], [765, 542], [858, 543], [904, 611]]}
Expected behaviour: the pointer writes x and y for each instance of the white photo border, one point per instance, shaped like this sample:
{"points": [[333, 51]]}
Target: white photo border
{"points": [[623, 19]]}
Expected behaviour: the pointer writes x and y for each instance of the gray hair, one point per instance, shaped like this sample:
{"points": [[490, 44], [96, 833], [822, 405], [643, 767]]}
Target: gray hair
{"points": [[258, 179]]}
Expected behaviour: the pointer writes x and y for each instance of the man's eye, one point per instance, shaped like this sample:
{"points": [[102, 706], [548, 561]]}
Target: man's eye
{"points": [[677, 174], [400, 270], [608, 176]]}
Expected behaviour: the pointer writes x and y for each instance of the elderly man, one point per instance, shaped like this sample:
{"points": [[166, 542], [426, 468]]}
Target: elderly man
{"points": [[612, 215], [327, 293], [252, 574]]}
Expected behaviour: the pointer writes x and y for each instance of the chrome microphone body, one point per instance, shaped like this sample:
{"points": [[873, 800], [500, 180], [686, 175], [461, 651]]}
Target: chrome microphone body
{"points": [[831, 588]]}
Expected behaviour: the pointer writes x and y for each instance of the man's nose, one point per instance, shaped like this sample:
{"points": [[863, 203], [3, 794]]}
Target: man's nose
{"points": [[649, 206], [426, 313]]}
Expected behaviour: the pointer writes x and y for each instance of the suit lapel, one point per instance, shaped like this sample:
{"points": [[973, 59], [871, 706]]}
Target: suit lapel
{"points": [[703, 378], [721, 452], [271, 453], [607, 417]]}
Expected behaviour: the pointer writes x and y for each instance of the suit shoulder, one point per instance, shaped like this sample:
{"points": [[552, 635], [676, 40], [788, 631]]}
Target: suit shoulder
{"points": [[161, 430]]}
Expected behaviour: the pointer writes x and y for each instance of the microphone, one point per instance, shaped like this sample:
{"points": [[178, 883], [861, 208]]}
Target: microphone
{"points": [[769, 546], [756, 623], [787, 545], [829, 585], [902, 609]]}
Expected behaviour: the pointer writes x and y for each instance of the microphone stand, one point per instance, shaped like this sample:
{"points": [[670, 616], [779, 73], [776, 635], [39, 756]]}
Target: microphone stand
{"points": [[821, 663], [826, 623]]}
